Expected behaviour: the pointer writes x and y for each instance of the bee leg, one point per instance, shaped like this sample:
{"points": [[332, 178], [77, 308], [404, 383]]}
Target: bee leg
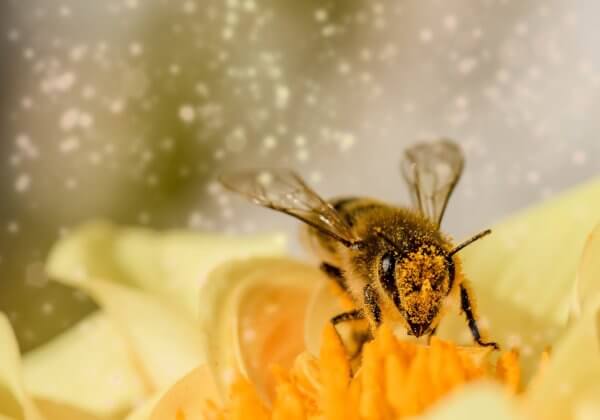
{"points": [[359, 338], [431, 334], [467, 307], [371, 302], [353, 315], [336, 275]]}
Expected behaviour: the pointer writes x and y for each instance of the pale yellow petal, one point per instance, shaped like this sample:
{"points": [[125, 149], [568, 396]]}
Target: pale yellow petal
{"points": [[530, 260], [171, 264], [571, 377], [252, 315], [14, 402], [144, 410], [476, 402], [164, 343], [188, 397], [523, 274], [54, 410], [588, 273], [88, 367]]}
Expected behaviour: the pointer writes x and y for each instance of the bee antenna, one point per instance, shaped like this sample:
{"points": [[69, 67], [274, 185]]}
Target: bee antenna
{"points": [[469, 241]]}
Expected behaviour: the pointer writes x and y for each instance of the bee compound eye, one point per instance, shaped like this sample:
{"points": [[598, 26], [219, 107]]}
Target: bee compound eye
{"points": [[388, 263], [387, 271], [387, 276]]}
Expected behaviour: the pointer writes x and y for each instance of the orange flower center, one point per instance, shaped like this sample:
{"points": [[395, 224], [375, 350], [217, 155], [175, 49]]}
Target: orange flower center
{"points": [[396, 379]]}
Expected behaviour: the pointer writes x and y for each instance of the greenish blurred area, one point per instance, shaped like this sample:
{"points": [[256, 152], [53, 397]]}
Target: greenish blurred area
{"points": [[116, 144]]}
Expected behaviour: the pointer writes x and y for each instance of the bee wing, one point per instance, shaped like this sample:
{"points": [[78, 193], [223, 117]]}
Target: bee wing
{"points": [[431, 171], [285, 191]]}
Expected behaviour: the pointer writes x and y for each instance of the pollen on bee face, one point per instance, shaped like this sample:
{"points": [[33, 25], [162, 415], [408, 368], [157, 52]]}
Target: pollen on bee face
{"points": [[423, 283], [422, 272]]}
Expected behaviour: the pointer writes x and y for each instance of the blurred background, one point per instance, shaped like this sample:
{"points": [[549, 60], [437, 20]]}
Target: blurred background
{"points": [[127, 109]]}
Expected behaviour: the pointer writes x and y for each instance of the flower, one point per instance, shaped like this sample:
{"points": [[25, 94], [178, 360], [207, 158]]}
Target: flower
{"points": [[145, 354]]}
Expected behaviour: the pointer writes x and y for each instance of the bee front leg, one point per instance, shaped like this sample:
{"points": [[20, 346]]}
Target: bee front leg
{"points": [[335, 274], [353, 315], [431, 334], [372, 303], [467, 307], [360, 338]]}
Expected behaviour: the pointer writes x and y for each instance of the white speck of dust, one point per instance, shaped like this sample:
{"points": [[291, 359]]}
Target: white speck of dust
{"points": [[132, 4], [85, 120], [282, 96], [329, 30], [321, 15], [71, 183], [116, 106], [27, 102], [302, 155], [88, 92], [346, 141], [315, 177], [344, 67], [450, 22], [135, 49], [189, 7], [65, 81], [522, 29], [69, 119], [13, 35], [300, 140], [237, 140], [65, 11], [47, 308], [69, 145], [269, 142], [26, 146], [250, 5], [425, 35], [579, 157], [187, 114], [264, 178], [533, 177], [22, 183], [12, 227], [195, 219], [467, 65], [461, 102]]}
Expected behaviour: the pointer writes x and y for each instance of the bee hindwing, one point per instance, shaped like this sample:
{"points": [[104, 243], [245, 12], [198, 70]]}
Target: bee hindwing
{"points": [[431, 171]]}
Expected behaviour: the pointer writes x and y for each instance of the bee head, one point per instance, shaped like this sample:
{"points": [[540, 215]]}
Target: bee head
{"points": [[418, 282]]}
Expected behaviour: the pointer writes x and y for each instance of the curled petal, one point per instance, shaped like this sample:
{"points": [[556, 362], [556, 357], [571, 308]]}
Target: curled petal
{"points": [[252, 313], [188, 398]]}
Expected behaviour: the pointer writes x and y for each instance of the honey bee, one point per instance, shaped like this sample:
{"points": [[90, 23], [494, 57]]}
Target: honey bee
{"points": [[393, 262]]}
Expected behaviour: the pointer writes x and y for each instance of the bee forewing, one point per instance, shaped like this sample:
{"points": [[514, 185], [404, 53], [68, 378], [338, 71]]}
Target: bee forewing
{"points": [[431, 171], [283, 190]]}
